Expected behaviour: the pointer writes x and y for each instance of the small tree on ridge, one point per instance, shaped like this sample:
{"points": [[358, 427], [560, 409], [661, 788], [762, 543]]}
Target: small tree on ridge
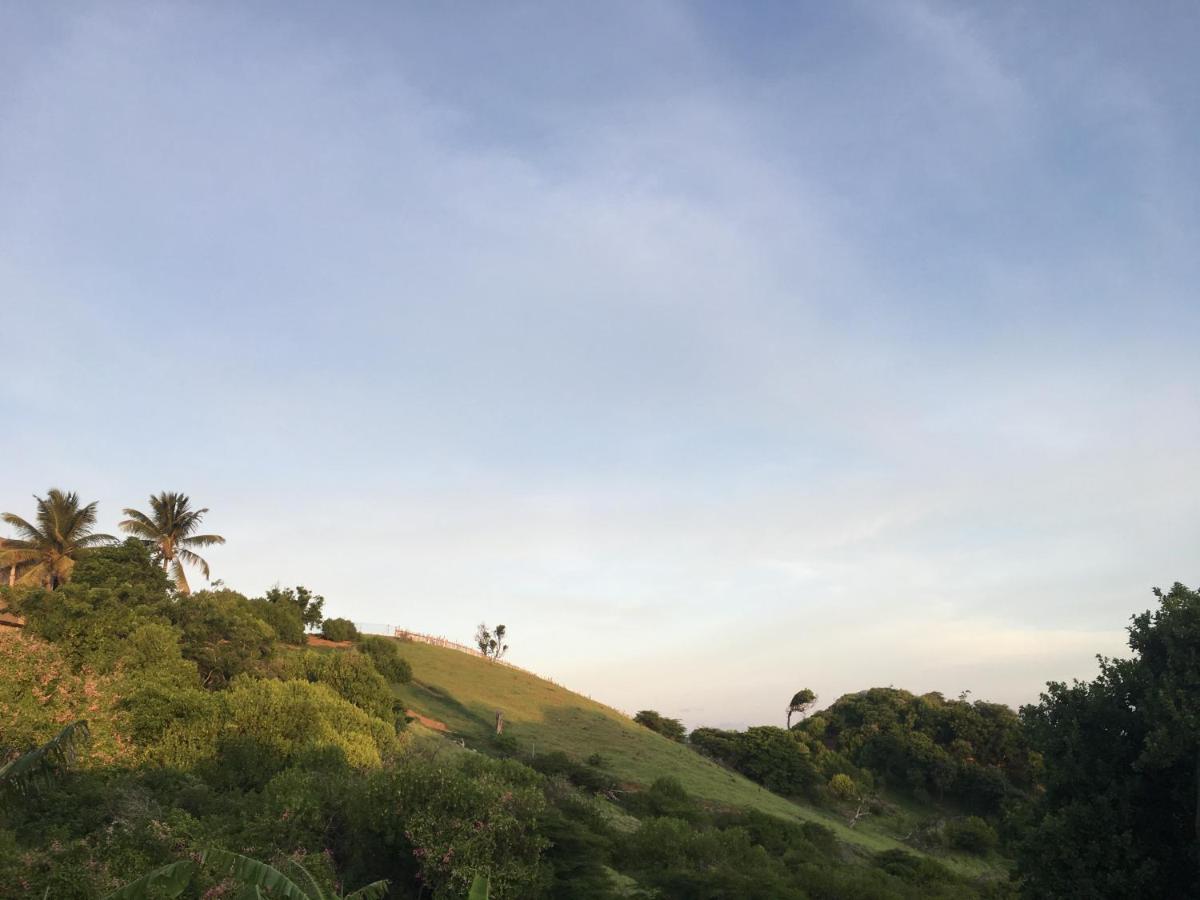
{"points": [[491, 643]]}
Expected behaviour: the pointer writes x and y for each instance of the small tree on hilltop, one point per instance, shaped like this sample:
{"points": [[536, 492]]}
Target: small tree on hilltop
{"points": [[656, 721], [801, 703], [310, 604], [491, 643]]}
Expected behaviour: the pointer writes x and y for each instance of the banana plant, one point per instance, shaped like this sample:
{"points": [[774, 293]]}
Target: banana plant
{"points": [[480, 888], [40, 766], [169, 881], [258, 875]]}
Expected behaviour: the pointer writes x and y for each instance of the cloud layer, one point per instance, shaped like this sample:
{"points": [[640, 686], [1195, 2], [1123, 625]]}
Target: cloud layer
{"points": [[716, 353]]}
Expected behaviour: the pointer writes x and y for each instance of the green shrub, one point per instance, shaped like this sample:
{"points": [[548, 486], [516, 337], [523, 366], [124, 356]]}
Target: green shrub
{"points": [[972, 835], [339, 630], [842, 787], [287, 719], [454, 819], [584, 776], [655, 721], [351, 675], [224, 636], [385, 653], [285, 618]]}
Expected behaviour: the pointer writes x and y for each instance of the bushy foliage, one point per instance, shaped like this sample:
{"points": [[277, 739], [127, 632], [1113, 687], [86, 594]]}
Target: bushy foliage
{"points": [[655, 721], [223, 635], [114, 590], [583, 775], [350, 675], [973, 752], [1118, 817], [339, 630], [286, 619], [308, 605], [842, 786], [385, 653], [278, 722], [40, 692], [774, 757], [972, 834], [443, 822]]}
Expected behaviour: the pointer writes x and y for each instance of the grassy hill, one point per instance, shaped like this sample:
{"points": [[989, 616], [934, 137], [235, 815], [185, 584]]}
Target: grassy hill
{"points": [[464, 691]]}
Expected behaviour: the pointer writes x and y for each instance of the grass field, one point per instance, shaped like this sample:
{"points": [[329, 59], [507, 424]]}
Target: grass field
{"points": [[464, 692]]}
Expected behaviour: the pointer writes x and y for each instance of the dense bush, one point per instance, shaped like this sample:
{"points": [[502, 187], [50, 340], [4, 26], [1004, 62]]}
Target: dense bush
{"points": [[973, 752], [278, 722], [339, 630], [114, 591], [774, 757], [351, 675], [285, 618], [581, 775], [222, 633], [308, 605], [842, 786], [668, 728], [385, 653], [971, 834], [442, 823]]}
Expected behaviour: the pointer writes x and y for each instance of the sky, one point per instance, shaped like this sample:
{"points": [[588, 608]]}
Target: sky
{"points": [[718, 350]]}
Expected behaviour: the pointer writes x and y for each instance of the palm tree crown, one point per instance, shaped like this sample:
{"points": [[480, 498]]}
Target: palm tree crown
{"points": [[44, 553], [168, 531]]}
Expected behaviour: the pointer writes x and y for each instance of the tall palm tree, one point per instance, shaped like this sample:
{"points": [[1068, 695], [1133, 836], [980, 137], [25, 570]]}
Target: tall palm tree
{"points": [[168, 533], [45, 553]]}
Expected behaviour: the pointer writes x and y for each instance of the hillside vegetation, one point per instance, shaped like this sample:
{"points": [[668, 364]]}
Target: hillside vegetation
{"points": [[464, 692], [157, 742]]}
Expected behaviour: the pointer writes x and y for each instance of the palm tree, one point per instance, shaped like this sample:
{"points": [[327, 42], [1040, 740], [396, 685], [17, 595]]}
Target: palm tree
{"points": [[168, 533], [46, 552]]}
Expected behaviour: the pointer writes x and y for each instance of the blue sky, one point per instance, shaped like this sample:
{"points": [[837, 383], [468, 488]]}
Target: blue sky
{"points": [[716, 349]]}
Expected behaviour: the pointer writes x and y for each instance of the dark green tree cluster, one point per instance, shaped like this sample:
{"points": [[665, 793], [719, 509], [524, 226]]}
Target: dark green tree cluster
{"points": [[1120, 813], [974, 753], [776, 758]]}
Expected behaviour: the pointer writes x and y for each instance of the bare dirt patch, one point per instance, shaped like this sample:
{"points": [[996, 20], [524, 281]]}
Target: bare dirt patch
{"points": [[315, 640], [426, 721]]}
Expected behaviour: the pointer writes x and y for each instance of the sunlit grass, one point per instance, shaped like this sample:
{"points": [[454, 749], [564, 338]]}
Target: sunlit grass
{"points": [[465, 691]]}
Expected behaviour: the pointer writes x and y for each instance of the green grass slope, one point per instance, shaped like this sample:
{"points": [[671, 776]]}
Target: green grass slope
{"points": [[464, 692]]}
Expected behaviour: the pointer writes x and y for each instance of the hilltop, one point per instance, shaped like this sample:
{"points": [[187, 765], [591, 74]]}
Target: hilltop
{"points": [[464, 691]]}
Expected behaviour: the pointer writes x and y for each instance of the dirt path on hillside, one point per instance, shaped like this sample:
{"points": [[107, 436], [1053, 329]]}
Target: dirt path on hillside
{"points": [[426, 721]]}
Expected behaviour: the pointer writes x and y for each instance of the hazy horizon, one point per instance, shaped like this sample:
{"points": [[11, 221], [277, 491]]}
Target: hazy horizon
{"points": [[717, 351]]}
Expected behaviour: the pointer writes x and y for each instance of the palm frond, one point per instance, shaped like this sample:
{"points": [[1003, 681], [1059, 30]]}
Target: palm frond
{"points": [[170, 881], [256, 873], [202, 540], [376, 890], [41, 765], [193, 559], [95, 540], [180, 577], [30, 532], [138, 524]]}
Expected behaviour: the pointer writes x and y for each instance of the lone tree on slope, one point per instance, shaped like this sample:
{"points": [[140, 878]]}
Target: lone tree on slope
{"points": [[491, 643], [801, 703]]}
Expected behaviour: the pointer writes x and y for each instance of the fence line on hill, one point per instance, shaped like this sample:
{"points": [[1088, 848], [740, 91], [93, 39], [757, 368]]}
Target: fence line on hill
{"points": [[439, 641]]}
